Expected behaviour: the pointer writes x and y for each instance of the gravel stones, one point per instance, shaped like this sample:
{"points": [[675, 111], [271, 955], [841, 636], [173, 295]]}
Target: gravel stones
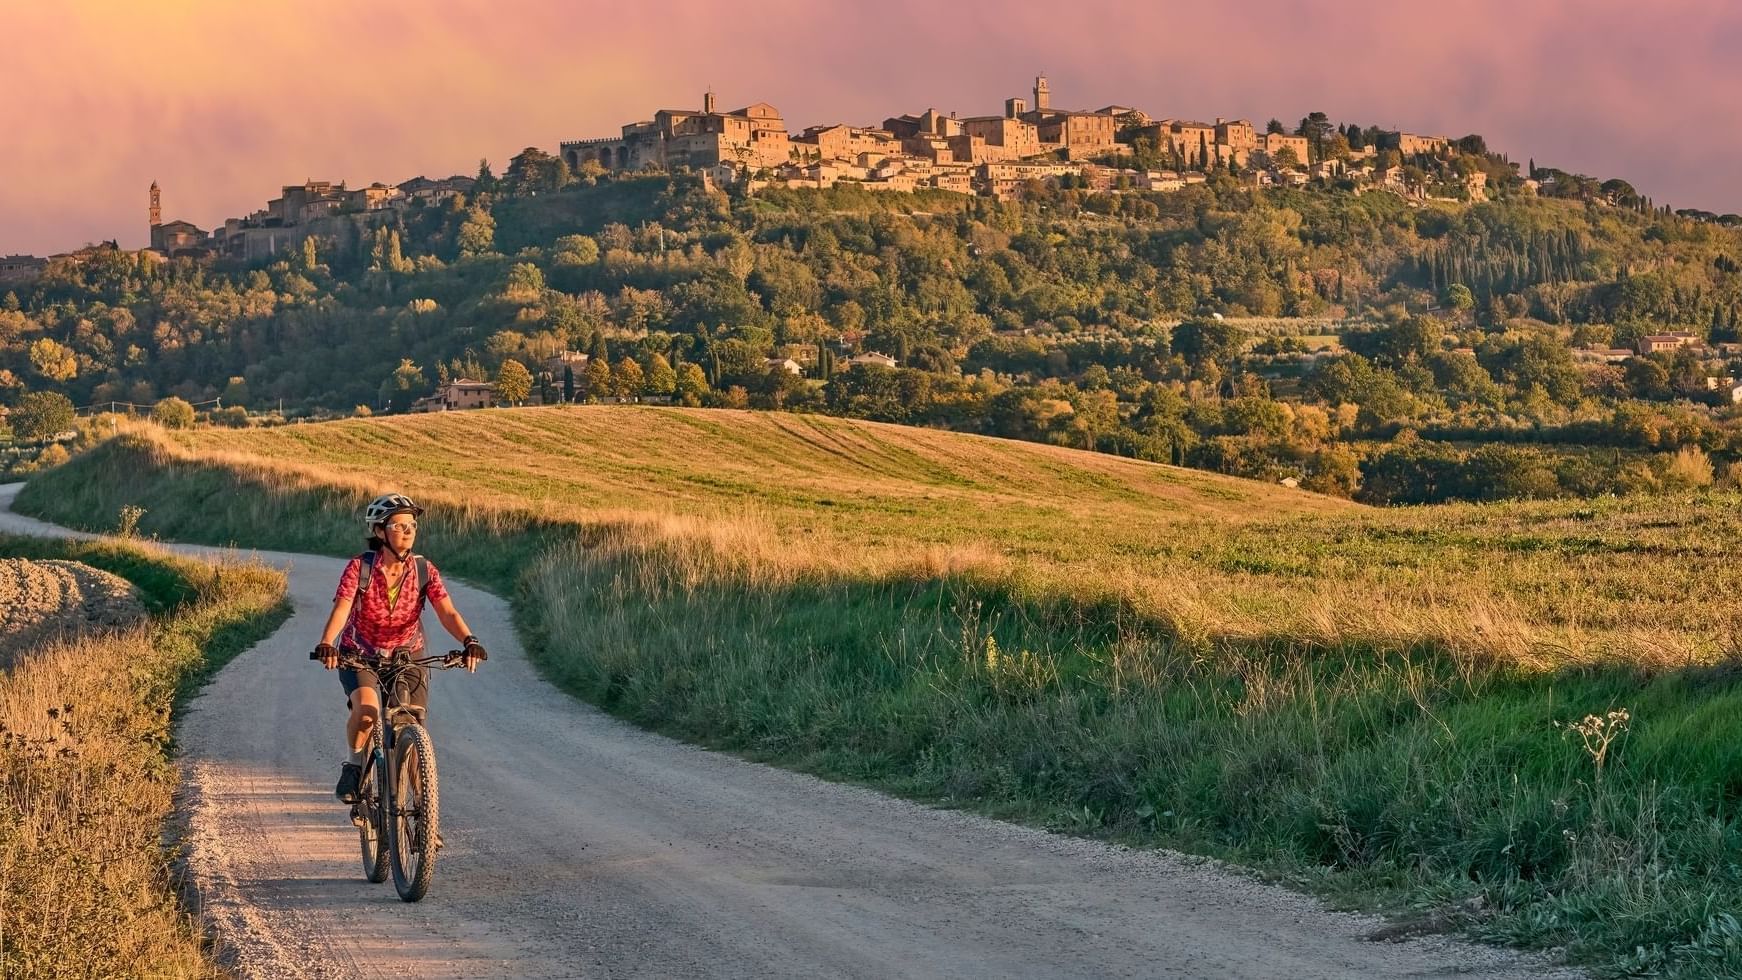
{"points": [[44, 601]]}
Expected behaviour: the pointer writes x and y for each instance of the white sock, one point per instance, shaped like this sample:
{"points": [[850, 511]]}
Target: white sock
{"points": [[356, 758]]}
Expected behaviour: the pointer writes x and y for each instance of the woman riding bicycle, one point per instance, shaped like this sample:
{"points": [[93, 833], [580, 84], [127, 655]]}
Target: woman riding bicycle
{"points": [[372, 618]]}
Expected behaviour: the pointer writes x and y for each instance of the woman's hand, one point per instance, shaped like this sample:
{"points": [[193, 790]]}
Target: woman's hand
{"points": [[329, 655], [474, 653]]}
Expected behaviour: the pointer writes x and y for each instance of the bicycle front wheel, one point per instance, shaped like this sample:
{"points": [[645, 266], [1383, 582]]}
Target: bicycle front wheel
{"points": [[416, 808]]}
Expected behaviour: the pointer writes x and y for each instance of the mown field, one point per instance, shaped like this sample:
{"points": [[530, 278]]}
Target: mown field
{"points": [[1374, 704]]}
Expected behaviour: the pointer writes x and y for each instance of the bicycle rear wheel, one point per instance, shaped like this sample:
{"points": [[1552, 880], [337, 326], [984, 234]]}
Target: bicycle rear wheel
{"points": [[415, 813], [370, 815]]}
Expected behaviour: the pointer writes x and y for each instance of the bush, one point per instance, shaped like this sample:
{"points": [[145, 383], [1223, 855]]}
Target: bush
{"points": [[234, 417], [1688, 469], [173, 413], [40, 415]]}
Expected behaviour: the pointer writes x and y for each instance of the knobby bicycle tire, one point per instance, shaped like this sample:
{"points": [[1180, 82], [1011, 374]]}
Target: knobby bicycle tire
{"points": [[372, 832], [415, 814]]}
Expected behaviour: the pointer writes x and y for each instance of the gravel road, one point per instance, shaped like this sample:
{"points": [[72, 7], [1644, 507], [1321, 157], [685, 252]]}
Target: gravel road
{"points": [[579, 846]]}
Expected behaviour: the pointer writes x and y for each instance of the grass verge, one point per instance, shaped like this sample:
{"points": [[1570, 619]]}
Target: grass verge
{"points": [[1455, 790], [85, 778]]}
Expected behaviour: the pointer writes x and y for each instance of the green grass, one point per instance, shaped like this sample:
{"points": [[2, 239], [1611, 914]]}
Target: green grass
{"points": [[1098, 646]]}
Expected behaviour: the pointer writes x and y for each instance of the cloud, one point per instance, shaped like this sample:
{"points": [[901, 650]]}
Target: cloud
{"points": [[224, 102]]}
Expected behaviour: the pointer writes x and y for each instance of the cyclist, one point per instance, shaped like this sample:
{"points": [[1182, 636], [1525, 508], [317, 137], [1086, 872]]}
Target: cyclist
{"points": [[374, 616]]}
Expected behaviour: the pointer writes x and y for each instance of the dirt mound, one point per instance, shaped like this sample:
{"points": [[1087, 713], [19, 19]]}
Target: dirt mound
{"points": [[41, 601]]}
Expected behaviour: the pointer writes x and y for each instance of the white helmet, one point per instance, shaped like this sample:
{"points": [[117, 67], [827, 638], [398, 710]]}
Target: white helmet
{"points": [[385, 506]]}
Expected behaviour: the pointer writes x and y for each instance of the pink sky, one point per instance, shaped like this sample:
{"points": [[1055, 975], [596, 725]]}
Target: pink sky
{"points": [[222, 102]]}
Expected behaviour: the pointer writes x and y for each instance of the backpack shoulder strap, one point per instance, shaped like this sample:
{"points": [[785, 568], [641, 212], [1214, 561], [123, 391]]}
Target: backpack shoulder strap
{"points": [[367, 569], [422, 577]]}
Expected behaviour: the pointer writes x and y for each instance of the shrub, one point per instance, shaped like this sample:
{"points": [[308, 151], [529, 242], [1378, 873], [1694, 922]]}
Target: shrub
{"points": [[173, 413]]}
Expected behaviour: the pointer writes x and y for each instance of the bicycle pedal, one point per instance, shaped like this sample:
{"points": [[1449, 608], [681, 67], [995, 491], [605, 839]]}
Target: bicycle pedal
{"points": [[358, 817]]}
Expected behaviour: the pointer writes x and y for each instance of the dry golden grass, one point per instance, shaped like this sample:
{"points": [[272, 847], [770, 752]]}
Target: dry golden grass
{"points": [[777, 497], [85, 788]]}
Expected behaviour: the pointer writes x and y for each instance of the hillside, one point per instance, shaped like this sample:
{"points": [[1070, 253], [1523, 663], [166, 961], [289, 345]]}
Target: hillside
{"points": [[1377, 703], [1267, 333], [1213, 557]]}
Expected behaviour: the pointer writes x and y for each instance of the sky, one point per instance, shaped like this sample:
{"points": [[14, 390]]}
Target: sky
{"points": [[222, 102]]}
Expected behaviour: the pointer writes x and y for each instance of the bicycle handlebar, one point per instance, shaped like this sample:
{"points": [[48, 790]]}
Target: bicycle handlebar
{"points": [[440, 661]]}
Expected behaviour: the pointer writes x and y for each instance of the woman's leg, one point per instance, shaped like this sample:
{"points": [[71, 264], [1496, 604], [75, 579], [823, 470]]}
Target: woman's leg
{"points": [[365, 710]]}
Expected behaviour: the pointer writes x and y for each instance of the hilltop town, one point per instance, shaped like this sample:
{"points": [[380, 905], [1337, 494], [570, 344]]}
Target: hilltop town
{"points": [[1030, 144], [1108, 149]]}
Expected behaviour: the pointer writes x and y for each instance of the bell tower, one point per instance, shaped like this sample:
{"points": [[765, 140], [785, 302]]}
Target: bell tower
{"points": [[1042, 95], [156, 238], [708, 102]]}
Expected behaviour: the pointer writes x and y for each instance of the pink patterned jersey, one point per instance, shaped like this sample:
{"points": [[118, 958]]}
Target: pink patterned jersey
{"points": [[376, 625]]}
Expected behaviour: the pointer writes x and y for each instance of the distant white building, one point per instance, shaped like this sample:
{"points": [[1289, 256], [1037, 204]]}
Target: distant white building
{"points": [[874, 358]]}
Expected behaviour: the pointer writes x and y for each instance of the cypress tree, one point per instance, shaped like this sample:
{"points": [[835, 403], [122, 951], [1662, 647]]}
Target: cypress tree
{"points": [[568, 383]]}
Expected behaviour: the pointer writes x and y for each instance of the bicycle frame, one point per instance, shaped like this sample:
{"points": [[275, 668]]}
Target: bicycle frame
{"points": [[383, 814]]}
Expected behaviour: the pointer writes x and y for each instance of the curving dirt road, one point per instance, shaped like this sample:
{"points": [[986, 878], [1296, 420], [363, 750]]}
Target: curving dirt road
{"points": [[578, 846]]}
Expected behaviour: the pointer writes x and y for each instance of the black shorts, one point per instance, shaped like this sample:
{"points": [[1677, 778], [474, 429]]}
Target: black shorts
{"points": [[413, 684]]}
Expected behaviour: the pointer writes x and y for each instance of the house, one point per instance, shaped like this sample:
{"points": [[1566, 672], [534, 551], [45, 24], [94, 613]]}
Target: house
{"points": [[786, 364], [872, 357], [1735, 394], [1661, 343], [554, 365], [1602, 355], [21, 268], [464, 393]]}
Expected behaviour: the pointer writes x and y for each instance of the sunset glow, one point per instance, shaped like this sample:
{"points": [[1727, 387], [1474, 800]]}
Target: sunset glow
{"points": [[223, 102]]}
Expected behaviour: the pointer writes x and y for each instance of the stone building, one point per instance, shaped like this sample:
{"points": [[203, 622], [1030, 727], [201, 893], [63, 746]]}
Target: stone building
{"points": [[21, 268], [1272, 142], [753, 137], [421, 188], [1409, 144], [1235, 140], [464, 393]]}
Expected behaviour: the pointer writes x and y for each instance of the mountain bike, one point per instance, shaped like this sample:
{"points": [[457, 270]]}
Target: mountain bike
{"points": [[398, 808]]}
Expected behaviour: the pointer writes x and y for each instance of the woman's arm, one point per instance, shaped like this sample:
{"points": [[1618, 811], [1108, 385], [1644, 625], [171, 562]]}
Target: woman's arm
{"points": [[336, 621], [450, 618]]}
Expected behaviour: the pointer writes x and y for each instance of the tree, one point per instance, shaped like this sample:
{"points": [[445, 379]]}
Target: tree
{"points": [[477, 234], [53, 361], [661, 379], [627, 378], [533, 171], [574, 250], [1317, 128], [404, 384], [1459, 297], [513, 382], [1203, 342], [41, 415], [692, 385], [1274, 126], [1285, 158], [236, 393], [598, 378], [525, 283], [568, 383], [173, 413]]}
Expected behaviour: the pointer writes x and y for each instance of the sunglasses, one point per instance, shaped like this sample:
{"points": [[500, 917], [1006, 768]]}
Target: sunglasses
{"points": [[406, 527]]}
